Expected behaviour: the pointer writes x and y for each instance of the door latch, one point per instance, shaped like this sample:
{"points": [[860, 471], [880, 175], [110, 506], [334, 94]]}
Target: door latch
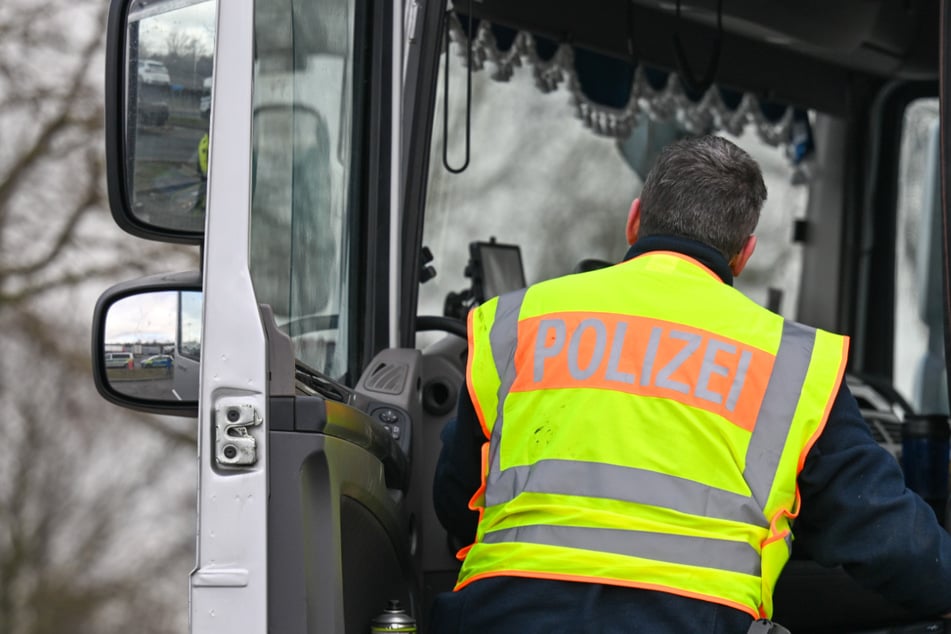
{"points": [[234, 445]]}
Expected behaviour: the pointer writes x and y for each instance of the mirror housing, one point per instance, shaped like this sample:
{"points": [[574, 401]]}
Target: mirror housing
{"points": [[145, 355], [158, 117]]}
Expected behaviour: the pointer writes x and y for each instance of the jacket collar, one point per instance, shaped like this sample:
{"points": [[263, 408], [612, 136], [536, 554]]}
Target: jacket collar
{"points": [[702, 253]]}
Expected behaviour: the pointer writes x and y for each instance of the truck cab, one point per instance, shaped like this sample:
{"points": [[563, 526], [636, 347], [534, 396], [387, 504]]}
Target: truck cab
{"points": [[376, 169]]}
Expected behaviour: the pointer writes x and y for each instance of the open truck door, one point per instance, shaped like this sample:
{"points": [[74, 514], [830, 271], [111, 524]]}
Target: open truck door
{"points": [[279, 161]]}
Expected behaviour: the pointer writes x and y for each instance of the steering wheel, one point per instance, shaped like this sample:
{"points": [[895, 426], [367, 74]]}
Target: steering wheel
{"points": [[425, 323], [440, 391]]}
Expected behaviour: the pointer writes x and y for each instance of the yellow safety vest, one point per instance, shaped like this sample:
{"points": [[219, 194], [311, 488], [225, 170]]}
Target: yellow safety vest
{"points": [[655, 420], [203, 155]]}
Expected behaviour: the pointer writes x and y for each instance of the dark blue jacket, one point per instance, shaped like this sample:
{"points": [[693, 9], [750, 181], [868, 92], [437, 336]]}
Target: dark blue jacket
{"points": [[856, 513]]}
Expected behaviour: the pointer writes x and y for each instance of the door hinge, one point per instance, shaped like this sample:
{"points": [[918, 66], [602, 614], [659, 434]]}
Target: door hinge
{"points": [[234, 445]]}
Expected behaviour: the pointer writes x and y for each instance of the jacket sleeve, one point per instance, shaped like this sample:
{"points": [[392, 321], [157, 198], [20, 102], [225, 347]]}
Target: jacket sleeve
{"points": [[856, 512], [458, 472]]}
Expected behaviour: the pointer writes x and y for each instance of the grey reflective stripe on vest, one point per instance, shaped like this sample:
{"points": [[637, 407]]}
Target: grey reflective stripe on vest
{"points": [[779, 406], [703, 552], [503, 337], [599, 480], [627, 484]]}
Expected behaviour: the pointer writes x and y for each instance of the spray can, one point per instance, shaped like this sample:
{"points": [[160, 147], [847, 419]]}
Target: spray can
{"points": [[393, 619]]}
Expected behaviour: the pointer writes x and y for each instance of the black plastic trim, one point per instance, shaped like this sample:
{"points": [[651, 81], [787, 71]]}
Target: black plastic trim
{"points": [[814, 76], [419, 107], [945, 123], [373, 61], [315, 581], [115, 111], [184, 281], [280, 413], [310, 414], [347, 423], [315, 415], [874, 324]]}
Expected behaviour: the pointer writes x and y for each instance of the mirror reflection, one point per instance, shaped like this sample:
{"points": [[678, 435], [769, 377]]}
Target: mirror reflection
{"points": [[168, 100], [152, 345]]}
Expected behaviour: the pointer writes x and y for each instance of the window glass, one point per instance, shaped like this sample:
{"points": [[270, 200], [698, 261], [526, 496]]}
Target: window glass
{"points": [[540, 179], [301, 170], [189, 324], [919, 371]]}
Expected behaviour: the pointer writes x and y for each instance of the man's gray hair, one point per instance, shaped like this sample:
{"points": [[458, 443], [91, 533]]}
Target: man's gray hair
{"points": [[704, 188]]}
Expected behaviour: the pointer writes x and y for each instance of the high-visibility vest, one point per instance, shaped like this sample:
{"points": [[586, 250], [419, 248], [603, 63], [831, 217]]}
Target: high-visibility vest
{"points": [[645, 425], [203, 155]]}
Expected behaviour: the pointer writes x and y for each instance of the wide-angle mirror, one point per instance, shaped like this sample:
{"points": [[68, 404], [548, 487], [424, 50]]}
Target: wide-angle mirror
{"points": [[151, 346], [168, 81]]}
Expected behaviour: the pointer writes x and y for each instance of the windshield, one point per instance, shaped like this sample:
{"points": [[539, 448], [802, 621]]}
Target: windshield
{"points": [[301, 173], [541, 179]]}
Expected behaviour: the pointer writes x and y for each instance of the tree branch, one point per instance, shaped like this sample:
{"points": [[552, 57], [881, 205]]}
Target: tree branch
{"points": [[17, 299], [52, 129], [91, 198]]}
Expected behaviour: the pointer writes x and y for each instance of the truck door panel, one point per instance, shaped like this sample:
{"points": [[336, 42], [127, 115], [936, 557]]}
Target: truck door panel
{"points": [[337, 541]]}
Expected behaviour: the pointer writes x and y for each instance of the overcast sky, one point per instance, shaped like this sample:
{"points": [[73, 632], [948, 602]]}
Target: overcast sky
{"points": [[196, 22], [143, 318]]}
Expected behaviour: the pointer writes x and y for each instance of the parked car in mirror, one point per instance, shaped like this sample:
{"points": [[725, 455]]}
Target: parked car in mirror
{"points": [[204, 104], [152, 72], [120, 360], [157, 361]]}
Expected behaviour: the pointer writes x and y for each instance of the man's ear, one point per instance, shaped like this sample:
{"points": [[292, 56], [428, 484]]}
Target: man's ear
{"points": [[738, 262], [633, 227]]}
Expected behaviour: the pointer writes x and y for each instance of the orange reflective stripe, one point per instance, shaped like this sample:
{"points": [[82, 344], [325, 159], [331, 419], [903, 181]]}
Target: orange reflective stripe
{"points": [[463, 552], [554, 576], [477, 405], [644, 356], [477, 501], [774, 533]]}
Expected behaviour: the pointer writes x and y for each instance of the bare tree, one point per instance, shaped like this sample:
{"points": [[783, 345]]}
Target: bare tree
{"points": [[51, 165], [95, 501], [93, 533]]}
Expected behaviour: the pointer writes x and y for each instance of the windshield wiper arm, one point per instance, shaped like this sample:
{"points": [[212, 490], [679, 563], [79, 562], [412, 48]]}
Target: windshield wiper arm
{"points": [[321, 383]]}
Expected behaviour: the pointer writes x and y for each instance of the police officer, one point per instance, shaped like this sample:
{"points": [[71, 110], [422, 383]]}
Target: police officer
{"points": [[203, 156], [202, 165], [634, 442]]}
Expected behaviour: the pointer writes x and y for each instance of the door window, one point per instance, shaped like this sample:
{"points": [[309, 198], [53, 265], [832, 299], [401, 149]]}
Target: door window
{"points": [[301, 194]]}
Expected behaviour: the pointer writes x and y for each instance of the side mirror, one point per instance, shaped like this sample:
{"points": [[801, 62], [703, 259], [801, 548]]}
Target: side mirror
{"points": [[158, 109], [146, 344]]}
